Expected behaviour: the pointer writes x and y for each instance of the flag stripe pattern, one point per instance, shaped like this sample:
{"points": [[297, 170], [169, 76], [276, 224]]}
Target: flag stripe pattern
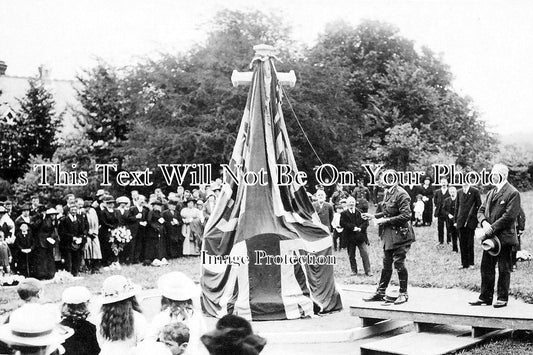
{"points": [[262, 240]]}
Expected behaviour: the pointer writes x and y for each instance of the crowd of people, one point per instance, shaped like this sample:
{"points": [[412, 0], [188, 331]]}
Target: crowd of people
{"points": [[114, 323], [454, 208], [91, 232], [459, 212]]}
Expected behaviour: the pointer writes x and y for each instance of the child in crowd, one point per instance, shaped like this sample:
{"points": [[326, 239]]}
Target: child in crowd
{"points": [[30, 290], [337, 229], [5, 255], [177, 294], [419, 210], [74, 314], [173, 340], [120, 324]]}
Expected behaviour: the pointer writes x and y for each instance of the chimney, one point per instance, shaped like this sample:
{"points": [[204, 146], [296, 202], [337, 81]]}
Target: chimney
{"points": [[3, 67], [44, 73]]}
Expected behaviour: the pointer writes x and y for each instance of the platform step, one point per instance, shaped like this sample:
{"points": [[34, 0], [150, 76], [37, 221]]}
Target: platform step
{"points": [[424, 343]]}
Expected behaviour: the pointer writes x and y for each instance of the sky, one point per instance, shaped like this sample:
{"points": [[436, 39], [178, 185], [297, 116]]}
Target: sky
{"points": [[487, 44]]}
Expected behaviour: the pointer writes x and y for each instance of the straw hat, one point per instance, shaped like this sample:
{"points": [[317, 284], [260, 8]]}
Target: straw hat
{"points": [[33, 325], [76, 295], [52, 211], [123, 199], [177, 286], [117, 288]]}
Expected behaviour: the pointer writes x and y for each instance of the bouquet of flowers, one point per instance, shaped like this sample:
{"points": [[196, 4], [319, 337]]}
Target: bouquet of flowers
{"points": [[119, 237]]}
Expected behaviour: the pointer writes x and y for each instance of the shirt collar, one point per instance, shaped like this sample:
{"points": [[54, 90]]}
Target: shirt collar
{"points": [[500, 185]]}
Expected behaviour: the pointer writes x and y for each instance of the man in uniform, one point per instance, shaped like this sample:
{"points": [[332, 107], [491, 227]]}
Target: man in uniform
{"points": [[393, 217]]}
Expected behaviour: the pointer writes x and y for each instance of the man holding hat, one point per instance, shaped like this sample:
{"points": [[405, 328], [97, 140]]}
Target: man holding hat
{"points": [[497, 217]]}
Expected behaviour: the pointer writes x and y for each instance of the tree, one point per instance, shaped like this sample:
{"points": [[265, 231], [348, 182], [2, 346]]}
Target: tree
{"points": [[104, 118], [38, 123]]}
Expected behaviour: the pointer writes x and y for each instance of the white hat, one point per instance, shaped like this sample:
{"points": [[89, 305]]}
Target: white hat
{"points": [[76, 295], [177, 286], [118, 288], [52, 211], [122, 199], [33, 325]]}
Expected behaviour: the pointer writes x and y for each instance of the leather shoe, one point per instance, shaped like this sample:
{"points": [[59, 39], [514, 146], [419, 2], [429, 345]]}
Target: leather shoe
{"points": [[376, 297], [480, 303], [402, 298], [499, 304]]}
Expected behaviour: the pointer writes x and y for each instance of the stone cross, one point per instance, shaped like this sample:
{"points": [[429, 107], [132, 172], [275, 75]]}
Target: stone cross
{"points": [[262, 52]]}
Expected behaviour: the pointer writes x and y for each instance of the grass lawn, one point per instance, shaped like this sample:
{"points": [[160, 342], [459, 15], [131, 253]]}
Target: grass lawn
{"points": [[428, 265]]}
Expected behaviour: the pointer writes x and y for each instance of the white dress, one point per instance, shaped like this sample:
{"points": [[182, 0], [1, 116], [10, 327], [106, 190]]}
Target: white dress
{"points": [[189, 243], [119, 347]]}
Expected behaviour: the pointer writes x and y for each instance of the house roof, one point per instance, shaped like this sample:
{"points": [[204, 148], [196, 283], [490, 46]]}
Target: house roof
{"points": [[63, 91]]}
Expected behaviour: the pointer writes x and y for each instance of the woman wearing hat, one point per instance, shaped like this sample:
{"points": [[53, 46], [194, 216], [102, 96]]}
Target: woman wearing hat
{"points": [[74, 314], [108, 222], [155, 251], [92, 252], [120, 324], [45, 226], [189, 214], [233, 335], [177, 294], [33, 330]]}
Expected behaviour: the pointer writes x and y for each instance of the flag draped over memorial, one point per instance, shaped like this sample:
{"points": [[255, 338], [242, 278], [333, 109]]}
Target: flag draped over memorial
{"points": [[253, 220]]}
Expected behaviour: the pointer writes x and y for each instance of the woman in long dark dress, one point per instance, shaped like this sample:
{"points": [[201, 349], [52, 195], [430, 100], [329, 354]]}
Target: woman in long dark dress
{"points": [[426, 190], [46, 238], [155, 251]]}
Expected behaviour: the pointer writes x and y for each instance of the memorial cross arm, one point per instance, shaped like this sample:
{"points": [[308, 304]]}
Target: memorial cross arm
{"points": [[263, 52]]}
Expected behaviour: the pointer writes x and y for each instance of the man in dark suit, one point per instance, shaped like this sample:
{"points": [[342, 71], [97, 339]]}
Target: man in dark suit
{"points": [[71, 239], [323, 209], [497, 217], [438, 197], [355, 236], [468, 202], [449, 210]]}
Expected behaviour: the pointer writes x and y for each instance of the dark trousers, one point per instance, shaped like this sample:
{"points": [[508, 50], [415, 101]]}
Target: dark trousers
{"points": [[336, 240], [466, 243], [72, 260], [363, 251], [488, 274], [441, 221], [452, 234], [395, 257]]}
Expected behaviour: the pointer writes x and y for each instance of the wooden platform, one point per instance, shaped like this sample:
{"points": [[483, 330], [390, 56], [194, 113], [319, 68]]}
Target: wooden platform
{"points": [[429, 307], [447, 306]]}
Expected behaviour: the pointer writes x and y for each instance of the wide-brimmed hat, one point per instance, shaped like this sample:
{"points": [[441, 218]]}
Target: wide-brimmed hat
{"points": [[76, 295], [52, 211], [123, 199], [492, 245], [33, 325], [3, 209], [25, 207], [177, 286], [118, 288]]}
